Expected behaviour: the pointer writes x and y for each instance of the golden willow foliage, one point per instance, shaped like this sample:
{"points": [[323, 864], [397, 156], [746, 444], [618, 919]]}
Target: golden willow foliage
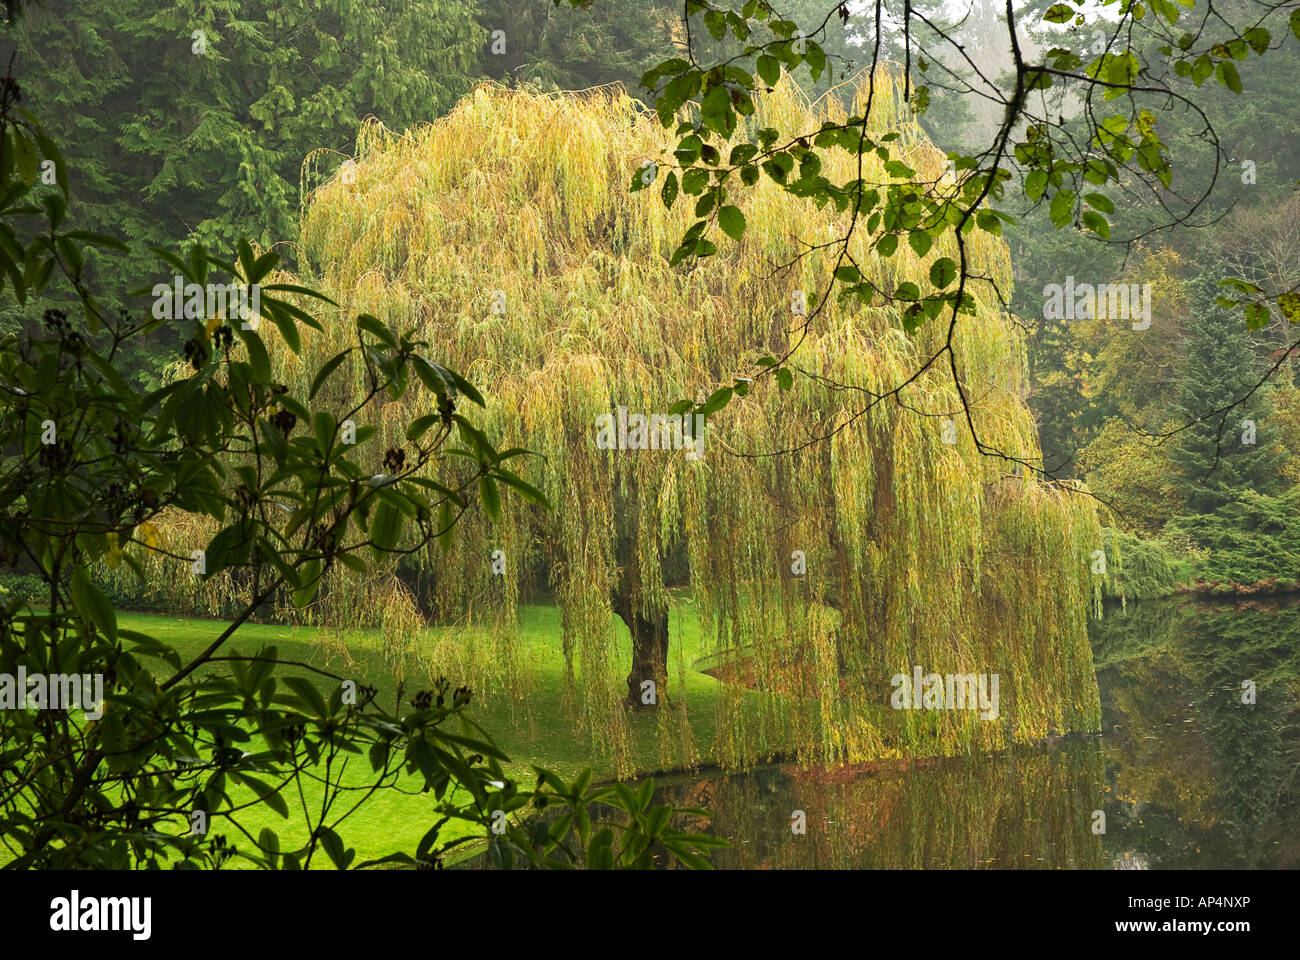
{"points": [[918, 552], [376, 600]]}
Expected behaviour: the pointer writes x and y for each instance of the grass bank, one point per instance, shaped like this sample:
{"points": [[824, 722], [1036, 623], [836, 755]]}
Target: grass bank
{"points": [[531, 729]]}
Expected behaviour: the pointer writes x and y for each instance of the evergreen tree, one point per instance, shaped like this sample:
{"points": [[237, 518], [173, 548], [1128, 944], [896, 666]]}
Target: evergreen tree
{"points": [[190, 121], [560, 47], [1213, 460]]}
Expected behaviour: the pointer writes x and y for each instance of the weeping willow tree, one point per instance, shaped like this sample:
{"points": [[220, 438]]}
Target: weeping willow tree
{"points": [[832, 541]]}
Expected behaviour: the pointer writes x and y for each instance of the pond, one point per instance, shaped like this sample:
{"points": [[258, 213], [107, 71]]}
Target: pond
{"points": [[1187, 772]]}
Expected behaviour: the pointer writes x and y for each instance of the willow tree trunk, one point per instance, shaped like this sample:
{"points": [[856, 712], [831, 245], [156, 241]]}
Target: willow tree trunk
{"points": [[649, 651], [649, 629]]}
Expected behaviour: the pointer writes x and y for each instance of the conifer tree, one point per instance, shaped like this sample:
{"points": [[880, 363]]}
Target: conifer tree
{"points": [[183, 121], [1218, 456]]}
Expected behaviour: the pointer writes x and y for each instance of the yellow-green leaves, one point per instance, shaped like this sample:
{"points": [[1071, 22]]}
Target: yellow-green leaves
{"points": [[1059, 13], [1166, 9]]}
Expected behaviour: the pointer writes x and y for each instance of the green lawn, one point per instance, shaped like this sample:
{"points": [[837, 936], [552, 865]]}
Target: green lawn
{"points": [[531, 730]]}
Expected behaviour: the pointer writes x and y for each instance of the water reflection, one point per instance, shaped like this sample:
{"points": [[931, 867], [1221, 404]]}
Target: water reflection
{"points": [[1185, 773]]}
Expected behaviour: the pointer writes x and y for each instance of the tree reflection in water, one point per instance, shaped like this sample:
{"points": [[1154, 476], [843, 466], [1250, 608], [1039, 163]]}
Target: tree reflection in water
{"points": [[1187, 775]]}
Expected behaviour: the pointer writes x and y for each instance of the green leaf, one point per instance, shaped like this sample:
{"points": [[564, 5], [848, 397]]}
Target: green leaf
{"points": [[269, 842], [1228, 76], [1258, 38], [324, 427], [526, 489], [333, 845], [98, 240], [1059, 13], [1062, 207], [816, 57], [25, 157], [420, 425], [943, 272], [491, 497], [732, 222], [386, 527], [446, 524], [716, 23], [600, 856], [784, 378], [296, 288], [264, 265], [989, 222], [1244, 286], [1256, 316], [258, 358], [376, 328], [466, 388], [288, 329], [669, 191], [1202, 69], [779, 166], [179, 265], [226, 540], [1166, 9], [920, 241], [352, 562], [887, 244], [309, 578], [328, 367], [267, 794], [716, 112], [717, 400], [307, 691], [91, 602], [1095, 222], [769, 68], [1099, 202], [291, 576]]}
